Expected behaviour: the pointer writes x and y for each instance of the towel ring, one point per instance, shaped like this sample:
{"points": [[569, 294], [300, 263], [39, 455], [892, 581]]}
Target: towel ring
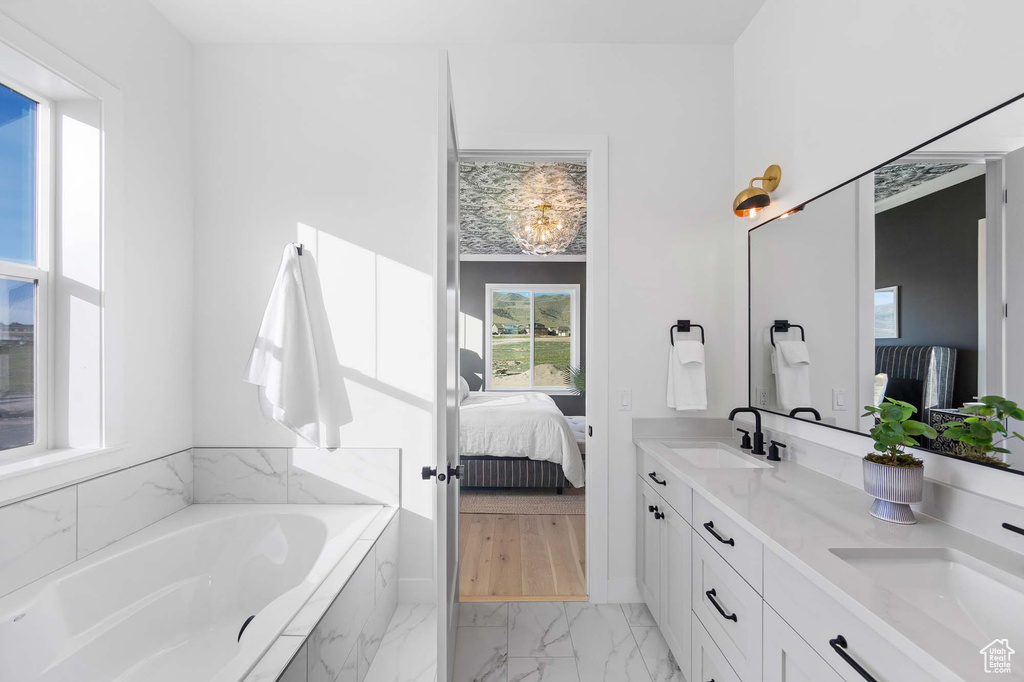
{"points": [[684, 326], [785, 326]]}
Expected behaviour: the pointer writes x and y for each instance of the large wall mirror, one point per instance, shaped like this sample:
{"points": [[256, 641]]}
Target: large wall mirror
{"points": [[906, 282]]}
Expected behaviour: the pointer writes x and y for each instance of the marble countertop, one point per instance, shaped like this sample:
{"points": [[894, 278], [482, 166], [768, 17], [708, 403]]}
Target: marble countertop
{"points": [[801, 515]]}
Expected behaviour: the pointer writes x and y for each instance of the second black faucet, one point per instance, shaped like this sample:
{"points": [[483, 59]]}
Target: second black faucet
{"points": [[758, 445]]}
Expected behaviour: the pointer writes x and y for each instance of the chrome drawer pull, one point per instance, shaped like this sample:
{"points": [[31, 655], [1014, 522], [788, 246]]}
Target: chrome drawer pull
{"points": [[710, 527], [654, 477], [839, 646], [728, 616]]}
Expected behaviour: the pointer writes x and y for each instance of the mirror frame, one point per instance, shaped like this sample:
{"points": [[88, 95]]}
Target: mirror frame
{"points": [[800, 206]]}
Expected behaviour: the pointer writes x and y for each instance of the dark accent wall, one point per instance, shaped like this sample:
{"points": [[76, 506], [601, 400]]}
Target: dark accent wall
{"points": [[474, 276], [929, 248]]}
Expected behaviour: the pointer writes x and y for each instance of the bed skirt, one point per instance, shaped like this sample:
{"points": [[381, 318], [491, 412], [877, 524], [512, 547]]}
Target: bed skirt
{"points": [[512, 472]]}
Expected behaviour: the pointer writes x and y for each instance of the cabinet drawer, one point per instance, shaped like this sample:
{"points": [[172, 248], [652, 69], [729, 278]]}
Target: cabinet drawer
{"points": [[729, 608], [788, 658], [668, 485], [708, 664], [818, 618], [736, 545]]}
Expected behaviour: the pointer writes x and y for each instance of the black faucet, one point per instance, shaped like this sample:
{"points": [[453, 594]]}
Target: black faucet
{"points": [[797, 410], [758, 434]]}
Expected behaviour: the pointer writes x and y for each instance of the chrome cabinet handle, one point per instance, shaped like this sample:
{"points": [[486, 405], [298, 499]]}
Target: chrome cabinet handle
{"points": [[654, 477], [710, 527], [839, 646], [711, 594]]}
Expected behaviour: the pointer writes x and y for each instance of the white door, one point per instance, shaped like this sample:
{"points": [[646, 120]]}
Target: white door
{"points": [[446, 509]]}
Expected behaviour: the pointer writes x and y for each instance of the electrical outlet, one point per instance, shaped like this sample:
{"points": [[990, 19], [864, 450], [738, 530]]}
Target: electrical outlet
{"points": [[625, 400], [762, 396]]}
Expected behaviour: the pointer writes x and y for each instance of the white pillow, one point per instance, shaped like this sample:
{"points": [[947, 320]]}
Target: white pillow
{"points": [[463, 389]]}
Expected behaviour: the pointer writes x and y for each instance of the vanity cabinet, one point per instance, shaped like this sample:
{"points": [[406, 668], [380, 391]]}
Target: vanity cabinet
{"points": [[820, 620], [663, 565], [733, 611], [788, 658], [648, 554]]}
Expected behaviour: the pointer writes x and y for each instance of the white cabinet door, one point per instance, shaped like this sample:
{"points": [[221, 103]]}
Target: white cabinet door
{"points": [[648, 571], [676, 595], [788, 658]]}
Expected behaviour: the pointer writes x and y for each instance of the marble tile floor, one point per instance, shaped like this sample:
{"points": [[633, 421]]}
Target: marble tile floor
{"points": [[561, 642], [530, 642]]}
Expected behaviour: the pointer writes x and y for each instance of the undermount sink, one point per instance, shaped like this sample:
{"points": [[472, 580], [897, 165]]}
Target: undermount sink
{"points": [[716, 456], [975, 599]]}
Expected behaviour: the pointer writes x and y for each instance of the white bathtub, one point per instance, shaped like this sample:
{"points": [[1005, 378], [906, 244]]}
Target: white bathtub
{"points": [[167, 603]]}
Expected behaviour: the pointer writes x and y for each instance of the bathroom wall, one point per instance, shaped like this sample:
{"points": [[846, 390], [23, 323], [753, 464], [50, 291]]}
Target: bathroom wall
{"points": [[956, 60], [131, 45], [667, 113], [333, 146]]}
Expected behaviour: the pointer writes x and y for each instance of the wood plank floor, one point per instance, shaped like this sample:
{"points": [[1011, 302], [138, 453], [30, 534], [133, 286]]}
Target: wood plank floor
{"points": [[522, 557]]}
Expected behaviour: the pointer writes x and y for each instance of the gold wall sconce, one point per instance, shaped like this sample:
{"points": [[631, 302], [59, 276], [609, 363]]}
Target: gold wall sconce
{"points": [[753, 200]]}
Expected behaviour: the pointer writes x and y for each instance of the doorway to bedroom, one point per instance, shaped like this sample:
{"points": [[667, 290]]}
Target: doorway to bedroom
{"points": [[523, 356]]}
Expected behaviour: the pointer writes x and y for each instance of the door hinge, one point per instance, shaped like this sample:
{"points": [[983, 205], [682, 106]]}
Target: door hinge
{"points": [[590, 430], [1006, 310], [1006, 196]]}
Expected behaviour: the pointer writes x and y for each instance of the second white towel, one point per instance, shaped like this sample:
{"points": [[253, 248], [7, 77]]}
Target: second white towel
{"points": [[687, 378], [791, 364]]}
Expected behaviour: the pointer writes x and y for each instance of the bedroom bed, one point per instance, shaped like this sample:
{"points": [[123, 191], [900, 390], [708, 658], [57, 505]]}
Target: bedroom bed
{"points": [[518, 440]]}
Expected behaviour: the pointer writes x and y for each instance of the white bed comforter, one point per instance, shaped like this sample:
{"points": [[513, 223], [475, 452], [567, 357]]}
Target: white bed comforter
{"points": [[519, 425]]}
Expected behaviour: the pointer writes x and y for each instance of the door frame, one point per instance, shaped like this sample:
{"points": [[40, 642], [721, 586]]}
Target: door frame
{"points": [[593, 149]]}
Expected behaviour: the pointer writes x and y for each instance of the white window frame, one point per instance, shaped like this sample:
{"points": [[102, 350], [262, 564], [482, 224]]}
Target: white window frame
{"points": [[38, 273], [574, 349]]}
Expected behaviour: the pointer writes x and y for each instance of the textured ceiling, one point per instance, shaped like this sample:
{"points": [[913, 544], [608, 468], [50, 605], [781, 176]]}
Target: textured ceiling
{"points": [[489, 192], [899, 177]]}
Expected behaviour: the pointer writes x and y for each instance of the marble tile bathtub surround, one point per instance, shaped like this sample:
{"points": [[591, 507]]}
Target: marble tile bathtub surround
{"points": [[241, 475], [334, 638], [37, 536], [408, 652], [114, 506], [298, 475], [344, 476]]}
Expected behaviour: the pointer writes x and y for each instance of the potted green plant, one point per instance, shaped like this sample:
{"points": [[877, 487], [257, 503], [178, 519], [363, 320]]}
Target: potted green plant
{"points": [[893, 476], [980, 436], [576, 379]]}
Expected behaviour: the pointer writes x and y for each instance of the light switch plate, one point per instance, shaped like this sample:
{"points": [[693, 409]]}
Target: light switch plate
{"points": [[625, 400], [839, 401]]}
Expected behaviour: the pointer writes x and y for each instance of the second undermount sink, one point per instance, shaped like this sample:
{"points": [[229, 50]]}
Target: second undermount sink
{"points": [[715, 456], [978, 601]]}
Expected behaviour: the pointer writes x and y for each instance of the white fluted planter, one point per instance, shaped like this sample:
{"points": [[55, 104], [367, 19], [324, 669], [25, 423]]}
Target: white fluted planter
{"points": [[894, 490]]}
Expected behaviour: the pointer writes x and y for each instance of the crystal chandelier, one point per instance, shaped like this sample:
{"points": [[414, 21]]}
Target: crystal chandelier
{"points": [[544, 230]]}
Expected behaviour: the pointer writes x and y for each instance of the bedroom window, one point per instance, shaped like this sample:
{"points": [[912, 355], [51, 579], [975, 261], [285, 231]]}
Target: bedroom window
{"points": [[533, 337]]}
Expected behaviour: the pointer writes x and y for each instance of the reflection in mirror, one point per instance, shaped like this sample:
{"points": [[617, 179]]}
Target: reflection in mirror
{"points": [[902, 280]]}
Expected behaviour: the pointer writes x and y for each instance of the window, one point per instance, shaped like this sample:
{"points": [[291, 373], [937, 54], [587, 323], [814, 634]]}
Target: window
{"points": [[24, 269], [533, 336]]}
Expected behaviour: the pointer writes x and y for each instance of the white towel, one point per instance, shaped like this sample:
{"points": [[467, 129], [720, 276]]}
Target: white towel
{"points": [[687, 379], [293, 361], [791, 365], [794, 353]]}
